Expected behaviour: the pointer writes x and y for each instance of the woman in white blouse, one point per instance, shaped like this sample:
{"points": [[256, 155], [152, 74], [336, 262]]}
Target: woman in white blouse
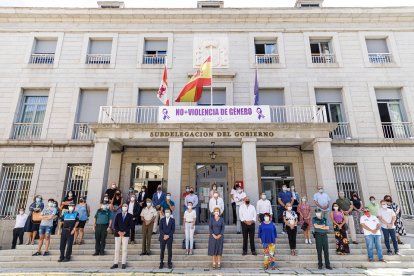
{"points": [[189, 224], [291, 221]]}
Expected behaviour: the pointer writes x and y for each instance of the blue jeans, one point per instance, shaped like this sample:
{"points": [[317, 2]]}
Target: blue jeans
{"points": [[387, 233], [371, 241]]}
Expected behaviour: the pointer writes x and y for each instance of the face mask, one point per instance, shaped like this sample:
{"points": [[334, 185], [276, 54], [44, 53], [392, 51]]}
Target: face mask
{"points": [[373, 201], [81, 200], [289, 208], [215, 195], [124, 209], [104, 207], [384, 206], [168, 197], [319, 215], [142, 190], [214, 188], [117, 193], [284, 189], [336, 208], [247, 202], [266, 219], [54, 204], [148, 204], [304, 199], [239, 191], [321, 190], [190, 207], [132, 198], [216, 214], [113, 186], [167, 215], [38, 199], [367, 213], [263, 197], [50, 204], [187, 190], [71, 208], [21, 212], [191, 192], [106, 199]]}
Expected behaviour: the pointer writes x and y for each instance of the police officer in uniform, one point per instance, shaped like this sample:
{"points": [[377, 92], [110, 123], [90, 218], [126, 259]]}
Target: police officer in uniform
{"points": [[69, 222]]}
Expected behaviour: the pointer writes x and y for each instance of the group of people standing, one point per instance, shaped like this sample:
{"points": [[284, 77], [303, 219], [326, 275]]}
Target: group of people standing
{"points": [[120, 216]]}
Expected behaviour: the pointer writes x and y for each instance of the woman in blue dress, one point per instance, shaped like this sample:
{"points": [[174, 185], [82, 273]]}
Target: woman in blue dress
{"points": [[268, 235], [216, 238]]}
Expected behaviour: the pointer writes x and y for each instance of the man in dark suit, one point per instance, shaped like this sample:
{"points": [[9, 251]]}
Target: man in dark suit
{"points": [[122, 226], [142, 199], [167, 229], [135, 211]]}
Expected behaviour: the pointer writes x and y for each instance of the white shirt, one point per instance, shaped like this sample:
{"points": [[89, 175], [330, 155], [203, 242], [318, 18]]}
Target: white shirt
{"points": [[323, 199], [20, 220], [387, 215], [247, 212], [264, 206], [167, 220], [371, 222], [232, 193], [239, 197], [216, 203], [131, 208], [190, 217]]}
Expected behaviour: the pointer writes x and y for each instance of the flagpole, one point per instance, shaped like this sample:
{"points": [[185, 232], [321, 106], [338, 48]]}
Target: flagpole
{"points": [[211, 85], [165, 68]]}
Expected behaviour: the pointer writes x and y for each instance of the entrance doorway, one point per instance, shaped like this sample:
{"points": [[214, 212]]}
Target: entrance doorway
{"points": [[207, 175], [273, 177], [148, 175]]}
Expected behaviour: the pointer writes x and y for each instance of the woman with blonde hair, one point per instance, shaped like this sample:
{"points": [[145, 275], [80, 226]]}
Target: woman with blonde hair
{"points": [[216, 238]]}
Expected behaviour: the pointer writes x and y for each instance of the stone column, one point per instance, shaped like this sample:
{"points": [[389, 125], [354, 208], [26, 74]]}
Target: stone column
{"points": [[174, 175], [249, 161], [99, 174], [324, 165]]}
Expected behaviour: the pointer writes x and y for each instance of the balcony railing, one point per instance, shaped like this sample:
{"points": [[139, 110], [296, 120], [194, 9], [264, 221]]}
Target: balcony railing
{"points": [[27, 131], [154, 59], [267, 58], [98, 59], [42, 58], [81, 131], [149, 115], [323, 58], [397, 130], [380, 58], [341, 132]]}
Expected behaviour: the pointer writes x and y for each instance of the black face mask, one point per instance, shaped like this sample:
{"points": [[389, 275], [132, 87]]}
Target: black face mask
{"points": [[191, 192], [247, 202]]}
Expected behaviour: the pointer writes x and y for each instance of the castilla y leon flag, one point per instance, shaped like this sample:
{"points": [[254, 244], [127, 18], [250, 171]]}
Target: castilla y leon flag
{"points": [[162, 91], [193, 89]]}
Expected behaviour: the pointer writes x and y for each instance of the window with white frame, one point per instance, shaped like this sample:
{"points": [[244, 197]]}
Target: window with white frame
{"points": [[14, 188], [31, 116], [391, 111], [331, 99], [219, 96], [347, 179], [77, 179], [90, 102], [99, 51], [266, 51], [275, 97], [148, 103], [404, 183], [378, 51], [155, 51], [43, 51], [322, 51]]}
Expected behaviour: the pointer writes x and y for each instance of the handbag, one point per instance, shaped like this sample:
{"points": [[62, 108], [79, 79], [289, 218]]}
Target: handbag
{"points": [[36, 217]]}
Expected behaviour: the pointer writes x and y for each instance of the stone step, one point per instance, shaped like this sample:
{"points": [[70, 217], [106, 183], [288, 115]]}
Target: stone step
{"points": [[206, 263]]}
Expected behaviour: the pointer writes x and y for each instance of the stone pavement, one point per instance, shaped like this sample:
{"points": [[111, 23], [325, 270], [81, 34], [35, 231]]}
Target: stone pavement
{"points": [[200, 272]]}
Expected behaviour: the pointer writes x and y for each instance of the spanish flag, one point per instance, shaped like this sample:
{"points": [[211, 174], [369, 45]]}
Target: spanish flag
{"points": [[193, 89]]}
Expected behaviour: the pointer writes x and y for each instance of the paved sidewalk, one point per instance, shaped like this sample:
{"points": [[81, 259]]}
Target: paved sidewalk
{"points": [[227, 271]]}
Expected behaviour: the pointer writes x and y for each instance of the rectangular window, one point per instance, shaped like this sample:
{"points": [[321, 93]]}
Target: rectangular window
{"points": [[148, 102], [392, 115], [271, 96], [14, 188], [266, 51], [155, 51], [322, 51], [99, 51], [31, 116], [77, 179], [404, 181], [347, 179], [378, 51], [43, 51], [219, 97]]}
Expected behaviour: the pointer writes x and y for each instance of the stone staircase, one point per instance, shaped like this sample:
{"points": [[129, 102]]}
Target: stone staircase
{"points": [[232, 258]]}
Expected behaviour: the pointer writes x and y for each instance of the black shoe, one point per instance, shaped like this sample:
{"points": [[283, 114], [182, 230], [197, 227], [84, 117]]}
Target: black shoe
{"points": [[143, 254], [60, 260], [397, 253], [46, 253], [390, 253], [123, 266], [102, 254], [170, 265], [238, 232], [95, 254], [254, 253], [66, 260], [319, 266], [37, 254], [329, 267], [114, 266], [244, 253], [161, 266], [149, 253]]}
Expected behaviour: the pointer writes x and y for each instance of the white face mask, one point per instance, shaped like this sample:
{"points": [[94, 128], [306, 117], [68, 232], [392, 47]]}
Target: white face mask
{"points": [[21, 212], [266, 219], [304, 199], [190, 207], [284, 189], [124, 209], [319, 215], [167, 215], [385, 206], [168, 197], [373, 201], [187, 190], [215, 195], [263, 197], [321, 190], [148, 204], [216, 214], [50, 204], [132, 198], [336, 208], [289, 208], [71, 208]]}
